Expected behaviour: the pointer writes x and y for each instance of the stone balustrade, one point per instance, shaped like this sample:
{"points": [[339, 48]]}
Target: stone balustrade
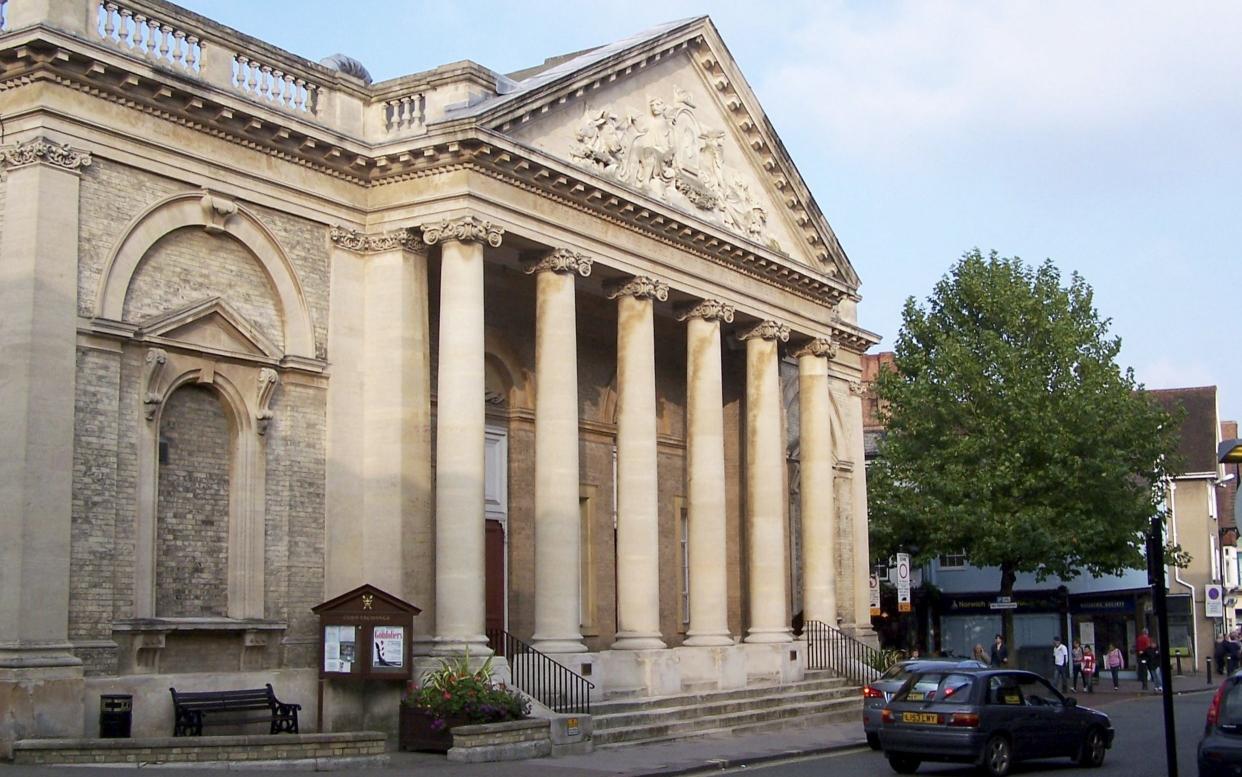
{"points": [[143, 34], [268, 83], [404, 114]]}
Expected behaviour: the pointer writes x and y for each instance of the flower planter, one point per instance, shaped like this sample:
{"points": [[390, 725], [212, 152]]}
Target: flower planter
{"points": [[416, 731]]}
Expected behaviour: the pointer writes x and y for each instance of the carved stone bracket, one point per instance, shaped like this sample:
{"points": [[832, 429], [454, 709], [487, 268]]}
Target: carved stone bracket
{"points": [[562, 260], [353, 240], [217, 211], [467, 229], [268, 379], [767, 330], [708, 310], [857, 388], [47, 152], [152, 396], [640, 287], [819, 346]]}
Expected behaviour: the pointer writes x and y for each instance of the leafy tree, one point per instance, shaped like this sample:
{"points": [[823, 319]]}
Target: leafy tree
{"points": [[1011, 432]]}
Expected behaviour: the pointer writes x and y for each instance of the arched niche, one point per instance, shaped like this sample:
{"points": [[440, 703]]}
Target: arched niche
{"points": [[243, 391], [218, 215]]}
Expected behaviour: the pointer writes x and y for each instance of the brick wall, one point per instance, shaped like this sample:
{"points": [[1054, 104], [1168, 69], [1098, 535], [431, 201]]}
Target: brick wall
{"points": [[111, 196], [306, 245], [192, 514], [93, 525], [189, 265]]}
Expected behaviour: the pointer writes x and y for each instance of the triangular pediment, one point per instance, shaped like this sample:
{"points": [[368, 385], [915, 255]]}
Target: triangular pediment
{"points": [[212, 325], [668, 116]]}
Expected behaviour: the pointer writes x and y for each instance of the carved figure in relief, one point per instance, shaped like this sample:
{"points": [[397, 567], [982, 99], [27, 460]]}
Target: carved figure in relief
{"points": [[672, 157]]}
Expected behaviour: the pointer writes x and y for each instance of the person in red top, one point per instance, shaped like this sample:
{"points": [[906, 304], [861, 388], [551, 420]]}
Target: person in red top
{"points": [[1141, 647], [1088, 668]]}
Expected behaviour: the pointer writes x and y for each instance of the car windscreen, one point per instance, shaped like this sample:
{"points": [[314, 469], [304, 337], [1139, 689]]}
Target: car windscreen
{"points": [[940, 687], [895, 672]]}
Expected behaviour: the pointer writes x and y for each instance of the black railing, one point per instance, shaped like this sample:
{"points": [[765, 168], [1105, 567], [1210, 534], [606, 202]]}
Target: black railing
{"points": [[830, 648], [553, 685]]}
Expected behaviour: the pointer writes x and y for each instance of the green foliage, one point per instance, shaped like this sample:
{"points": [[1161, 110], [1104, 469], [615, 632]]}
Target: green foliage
{"points": [[1011, 431], [881, 660], [455, 692]]}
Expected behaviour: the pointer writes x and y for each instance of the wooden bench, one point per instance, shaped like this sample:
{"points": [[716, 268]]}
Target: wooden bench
{"points": [[189, 710]]}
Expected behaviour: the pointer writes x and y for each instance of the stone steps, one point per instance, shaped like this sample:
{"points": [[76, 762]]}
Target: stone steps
{"points": [[751, 710]]}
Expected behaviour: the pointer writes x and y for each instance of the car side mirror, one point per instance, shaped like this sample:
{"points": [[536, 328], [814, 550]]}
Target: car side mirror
{"points": [[1070, 701]]}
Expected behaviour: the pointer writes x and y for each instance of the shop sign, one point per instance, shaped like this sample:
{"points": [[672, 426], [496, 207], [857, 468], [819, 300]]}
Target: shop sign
{"points": [[1102, 605]]}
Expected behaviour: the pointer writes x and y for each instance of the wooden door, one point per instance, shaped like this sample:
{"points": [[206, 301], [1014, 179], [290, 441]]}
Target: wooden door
{"points": [[494, 582]]}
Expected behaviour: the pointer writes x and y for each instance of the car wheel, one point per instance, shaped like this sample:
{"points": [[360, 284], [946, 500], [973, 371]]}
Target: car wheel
{"points": [[1093, 748], [997, 757], [873, 741], [904, 764]]}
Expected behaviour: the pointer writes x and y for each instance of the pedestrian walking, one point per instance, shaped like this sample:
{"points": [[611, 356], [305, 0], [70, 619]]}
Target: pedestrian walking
{"points": [[1153, 667], [1114, 659], [1060, 664], [1142, 646], [1233, 650], [979, 654], [1000, 654], [1076, 653], [1088, 668]]}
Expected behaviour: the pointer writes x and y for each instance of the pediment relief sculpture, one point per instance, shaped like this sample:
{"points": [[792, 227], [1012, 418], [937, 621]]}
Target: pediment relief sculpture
{"points": [[672, 156], [211, 324]]}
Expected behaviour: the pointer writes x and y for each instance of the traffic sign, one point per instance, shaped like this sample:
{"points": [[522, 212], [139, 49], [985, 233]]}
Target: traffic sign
{"points": [[875, 595], [903, 582]]}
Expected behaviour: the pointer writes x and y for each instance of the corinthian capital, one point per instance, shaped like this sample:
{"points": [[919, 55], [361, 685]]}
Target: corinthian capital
{"points": [[819, 346], [47, 152], [562, 260], [639, 287], [767, 330], [353, 240], [466, 229], [708, 310]]}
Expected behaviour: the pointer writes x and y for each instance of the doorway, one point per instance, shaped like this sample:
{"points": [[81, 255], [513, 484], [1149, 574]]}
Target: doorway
{"points": [[496, 543]]}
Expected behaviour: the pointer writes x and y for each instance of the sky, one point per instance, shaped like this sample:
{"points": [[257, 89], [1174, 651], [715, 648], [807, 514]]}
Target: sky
{"points": [[1105, 136]]}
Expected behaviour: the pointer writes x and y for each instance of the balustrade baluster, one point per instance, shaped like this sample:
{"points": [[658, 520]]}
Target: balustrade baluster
{"points": [[191, 59], [108, 28], [153, 29]]}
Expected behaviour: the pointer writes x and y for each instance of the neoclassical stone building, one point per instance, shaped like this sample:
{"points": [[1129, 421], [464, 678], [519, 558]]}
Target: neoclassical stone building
{"points": [[508, 347]]}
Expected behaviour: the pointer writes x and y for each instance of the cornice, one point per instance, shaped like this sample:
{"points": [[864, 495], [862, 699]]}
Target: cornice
{"points": [[561, 260], [766, 330], [44, 151], [708, 310], [360, 242], [466, 229], [638, 287]]}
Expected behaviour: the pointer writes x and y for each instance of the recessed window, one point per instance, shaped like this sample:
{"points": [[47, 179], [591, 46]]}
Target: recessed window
{"points": [[953, 560]]}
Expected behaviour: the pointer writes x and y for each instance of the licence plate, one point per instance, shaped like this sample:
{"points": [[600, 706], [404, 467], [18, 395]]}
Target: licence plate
{"points": [[920, 717]]}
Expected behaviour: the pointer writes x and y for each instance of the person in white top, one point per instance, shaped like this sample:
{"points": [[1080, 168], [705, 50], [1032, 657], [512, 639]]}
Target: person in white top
{"points": [[1060, 664]]}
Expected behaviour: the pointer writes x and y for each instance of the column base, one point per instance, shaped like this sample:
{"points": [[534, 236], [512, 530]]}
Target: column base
{"points": [[708, 639], [42, 691], [558, 645], [638, 640], [763, 636], [475, 645]]}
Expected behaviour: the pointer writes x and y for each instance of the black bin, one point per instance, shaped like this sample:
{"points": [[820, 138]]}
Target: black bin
{"points": [[116, 715]]}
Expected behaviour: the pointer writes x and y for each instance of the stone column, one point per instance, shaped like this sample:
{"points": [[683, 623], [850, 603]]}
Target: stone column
{"points": [[379, 399], [858, 490], [40, 679], [557, 520], [460, 435], [638, 528], [818, 527], [705, 466], [765, 485]]}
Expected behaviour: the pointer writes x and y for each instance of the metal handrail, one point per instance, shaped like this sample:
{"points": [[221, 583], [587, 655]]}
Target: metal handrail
{"points": [[830, 648], [552, 684]]}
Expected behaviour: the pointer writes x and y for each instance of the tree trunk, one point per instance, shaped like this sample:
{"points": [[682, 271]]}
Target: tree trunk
{"points": [[1008, 577]]}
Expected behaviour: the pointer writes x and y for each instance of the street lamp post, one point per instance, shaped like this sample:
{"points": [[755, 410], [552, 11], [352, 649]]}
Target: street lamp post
{"points": [[1155, 575]]}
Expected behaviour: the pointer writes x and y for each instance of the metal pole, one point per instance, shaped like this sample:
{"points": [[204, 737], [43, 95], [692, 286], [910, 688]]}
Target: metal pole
{"points": [[1156, 565]]}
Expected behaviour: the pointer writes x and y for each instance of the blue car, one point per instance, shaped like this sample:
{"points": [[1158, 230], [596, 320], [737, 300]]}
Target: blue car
{"points": [[991, 718], [1220, 750]]}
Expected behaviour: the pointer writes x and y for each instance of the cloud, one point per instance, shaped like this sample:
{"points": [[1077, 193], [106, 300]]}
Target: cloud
{"points": [[916, 73]]}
